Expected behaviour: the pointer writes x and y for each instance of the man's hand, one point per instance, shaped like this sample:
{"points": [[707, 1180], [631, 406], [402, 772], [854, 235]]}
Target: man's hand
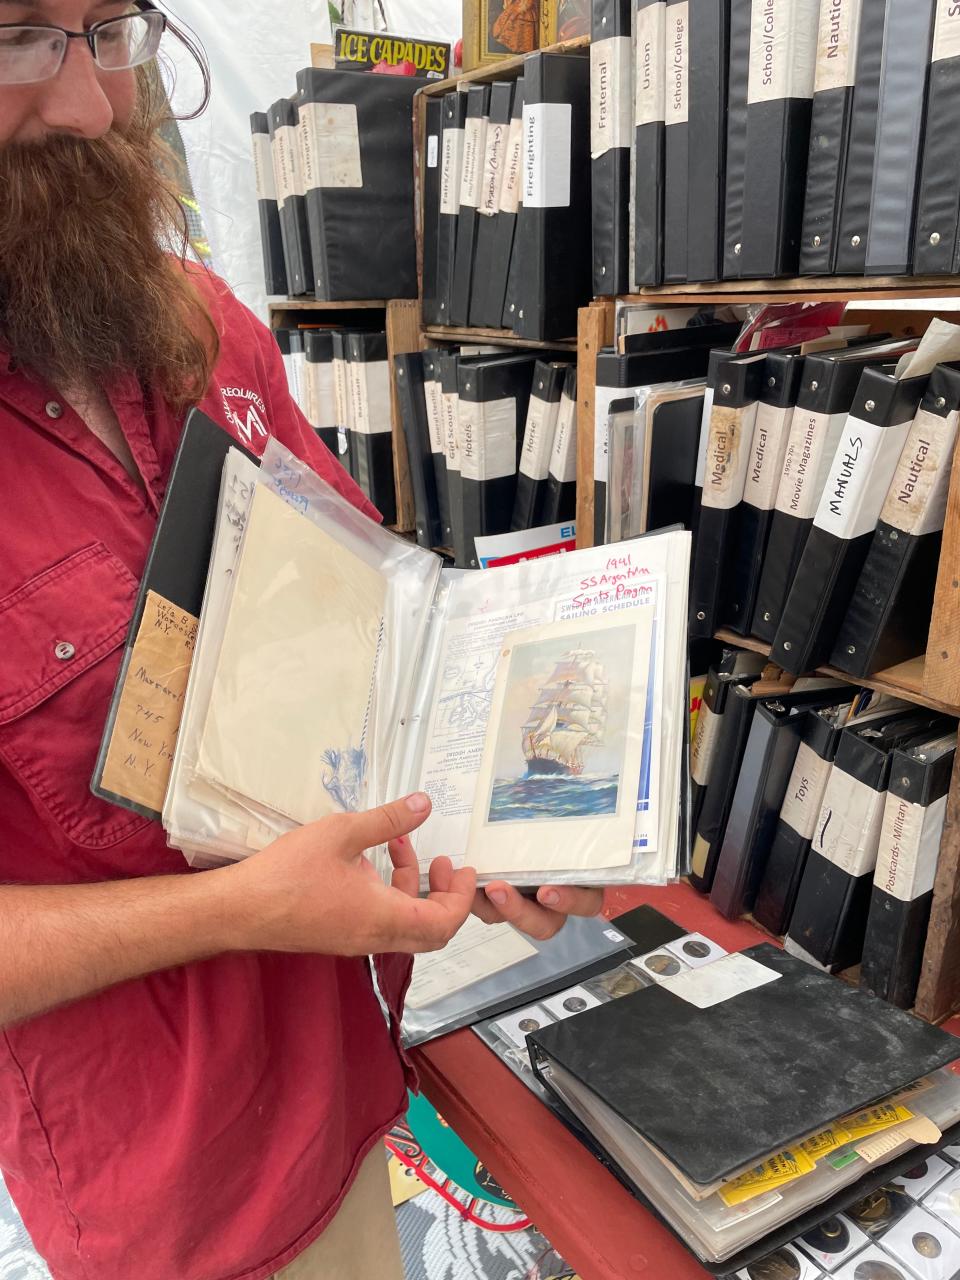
{"points": [[540, 918], [315, 890]]}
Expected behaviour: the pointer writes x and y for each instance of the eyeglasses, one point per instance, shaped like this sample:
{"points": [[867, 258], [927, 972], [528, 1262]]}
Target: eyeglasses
{"points": [[29, 54]]}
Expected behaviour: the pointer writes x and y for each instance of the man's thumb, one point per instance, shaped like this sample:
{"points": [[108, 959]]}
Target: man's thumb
{"points": [[380, 826]]}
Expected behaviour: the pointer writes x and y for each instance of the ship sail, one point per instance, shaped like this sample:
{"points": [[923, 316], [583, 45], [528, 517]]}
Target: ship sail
{"points": [[568, 716]]}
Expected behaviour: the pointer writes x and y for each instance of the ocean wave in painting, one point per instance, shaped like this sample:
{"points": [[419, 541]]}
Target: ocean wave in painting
{"points": [[530, 799]]}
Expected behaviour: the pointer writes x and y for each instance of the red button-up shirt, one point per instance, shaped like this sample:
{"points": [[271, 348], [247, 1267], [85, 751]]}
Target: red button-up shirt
{"points": [[202, 1123]]}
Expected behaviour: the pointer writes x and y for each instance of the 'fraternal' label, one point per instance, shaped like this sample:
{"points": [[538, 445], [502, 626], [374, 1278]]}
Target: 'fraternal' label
{"points": [[609, 95]]}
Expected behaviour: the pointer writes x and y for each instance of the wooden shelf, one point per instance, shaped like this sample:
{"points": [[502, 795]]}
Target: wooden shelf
{"points": [[502, 337], [317, 304], [903, 681], [851, 289], [504, 68]]}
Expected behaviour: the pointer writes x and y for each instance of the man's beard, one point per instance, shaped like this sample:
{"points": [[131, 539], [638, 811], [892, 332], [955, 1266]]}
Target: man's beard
{"points": [[88, 288]]}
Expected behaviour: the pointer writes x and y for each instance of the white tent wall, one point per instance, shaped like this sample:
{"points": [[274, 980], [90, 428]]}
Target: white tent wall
{"points": [[255, 51]]}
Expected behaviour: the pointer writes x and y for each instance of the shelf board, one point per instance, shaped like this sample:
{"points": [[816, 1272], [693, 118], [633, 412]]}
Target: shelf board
{"points": [[315, 304], [850, 289], [903, 681], [502, 337], [502, 68]]}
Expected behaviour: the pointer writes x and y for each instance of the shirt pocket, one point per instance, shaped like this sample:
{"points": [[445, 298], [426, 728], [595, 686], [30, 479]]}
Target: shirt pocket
{"points": [[61, 638]]}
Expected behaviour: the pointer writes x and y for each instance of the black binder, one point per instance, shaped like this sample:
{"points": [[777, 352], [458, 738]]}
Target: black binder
{"points": [[490, 295], [290, 342], [343, 399], [732, 419], [673, 441], [827, 389], [408, 371], [903, 93], [736, 158], [888, 615], [854, 222], [496, 158], [447, 368], [937, 250], [471, 181], [780, 385], [561, 500], [676, 176], [708, 63], [860, 472], [906, 869], [321, 392], [830, 916], [433, 398], [433, 110], [371, 434], [494, 395], [703, 748], [799, 810], [285, 150], [611, 126], [451, 168], [650, 122], [554, 219], [357, 142], [779, 106], [768, 760], [538, 438], [271, 237]]}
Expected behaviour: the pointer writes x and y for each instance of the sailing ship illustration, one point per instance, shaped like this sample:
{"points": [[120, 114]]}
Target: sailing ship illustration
{"points": [[568, 717]]}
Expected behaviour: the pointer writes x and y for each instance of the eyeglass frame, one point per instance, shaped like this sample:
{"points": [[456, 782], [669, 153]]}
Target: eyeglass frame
{"points": [[90, 35]]}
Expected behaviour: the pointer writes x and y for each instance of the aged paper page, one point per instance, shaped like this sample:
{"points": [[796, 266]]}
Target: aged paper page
{"points": [[478, 951]]}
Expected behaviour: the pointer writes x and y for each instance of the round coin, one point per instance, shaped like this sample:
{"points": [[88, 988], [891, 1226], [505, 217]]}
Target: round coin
{"points": [[666, 966], [574, 1004], [926, 1245], [699, 950], [782, 1265]]}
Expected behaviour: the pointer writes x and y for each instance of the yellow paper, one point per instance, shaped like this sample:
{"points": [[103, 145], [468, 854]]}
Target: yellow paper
{"points": [[151, 702], [875, 1120], [825, 1143], [775, 1172], [404, 1183]]}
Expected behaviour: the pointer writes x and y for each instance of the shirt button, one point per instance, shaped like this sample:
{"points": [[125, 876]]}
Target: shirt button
{"points": [[65, 651], [53, 409]]}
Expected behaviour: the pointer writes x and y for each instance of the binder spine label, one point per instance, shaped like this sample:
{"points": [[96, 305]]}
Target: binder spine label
{"points": [[372, 397], [678, 63], [859, 476], [909, 847], [783, 50], [765, 461], [474, 150], [450, 169], [451, 433], [727, 455], [704, 742], [704, 436], [324, 393], [263, 167], [837, 45], [433, 151], [650, 69], [547, 143], [513, 168], [287, 158], [946, 34], [434, 405], [493, 163], [563, 459], [603, 398], [488, 438], [341, 395], [330, 145], [799, 490], [917, 498], [537, 440], [804, 795], [609, 94], [848, 825]]}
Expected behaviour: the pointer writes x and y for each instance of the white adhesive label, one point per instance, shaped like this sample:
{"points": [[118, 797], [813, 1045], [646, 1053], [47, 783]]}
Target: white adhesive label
{"points": [[650, 79], [810, 450], [330, 143], [731, 431], [771, 434], [341, 392], [783, 50], [726, 978], [916, 501], [450, 171], [488, 439], [321, 394], [859, 478], [538, 438], [678, 63], [433, 150], [434, 404], [495, 154], [946, 33], [513, 168], [909, 847], [372, 397], [474, 145], [547, 142], [286, 156], [563, 459], [848, 825], [805, 790], [704, 438], [837, 45], [451, 428], [610, 94], [266, 183], [603, 397], [703, 745]]}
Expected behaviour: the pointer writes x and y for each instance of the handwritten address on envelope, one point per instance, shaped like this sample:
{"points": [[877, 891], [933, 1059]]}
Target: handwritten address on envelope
{"points": [[151, 704]]}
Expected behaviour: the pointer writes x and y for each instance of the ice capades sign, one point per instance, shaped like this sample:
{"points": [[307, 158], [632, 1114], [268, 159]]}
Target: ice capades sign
{"points": [[365, 50]]}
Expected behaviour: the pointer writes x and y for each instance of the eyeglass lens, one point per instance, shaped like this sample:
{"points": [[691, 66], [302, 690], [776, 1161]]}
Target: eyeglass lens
{"points": [[31, 54]]}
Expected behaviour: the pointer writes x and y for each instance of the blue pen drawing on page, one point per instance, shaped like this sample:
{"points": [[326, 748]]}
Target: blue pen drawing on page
{"points": [[345, 768], [470, 682], [562, 735]]}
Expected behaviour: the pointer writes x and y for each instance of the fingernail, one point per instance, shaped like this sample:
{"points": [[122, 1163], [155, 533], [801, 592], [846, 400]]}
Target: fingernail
{"points": [[549, 897], [498, 897], [418, 803]]}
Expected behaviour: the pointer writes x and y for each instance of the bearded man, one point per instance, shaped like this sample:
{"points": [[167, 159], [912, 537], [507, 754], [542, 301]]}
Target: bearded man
{"points": [[195, 1072]]}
